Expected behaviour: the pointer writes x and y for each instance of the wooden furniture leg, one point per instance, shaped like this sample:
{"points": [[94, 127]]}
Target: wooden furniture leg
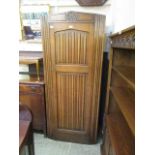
{"points": [[37, 70], [31, 142]]}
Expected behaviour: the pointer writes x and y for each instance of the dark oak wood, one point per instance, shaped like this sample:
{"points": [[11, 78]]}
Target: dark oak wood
{"points": [[23, 130], [127, 73], [122, 58], [106, 147], [73, 52], [118, 81], [126, 101], [120, 99], [107, 143], [25, 113], [120, 135], [91, 2], [31, 94], [124, 39]]}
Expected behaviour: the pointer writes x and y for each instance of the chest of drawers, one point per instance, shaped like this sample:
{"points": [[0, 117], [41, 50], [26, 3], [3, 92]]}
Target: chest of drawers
{"points": [[32, 95]]}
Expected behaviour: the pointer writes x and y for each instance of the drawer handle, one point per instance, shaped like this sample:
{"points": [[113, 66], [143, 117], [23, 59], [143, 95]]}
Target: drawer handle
{"points": [[33, 88]]}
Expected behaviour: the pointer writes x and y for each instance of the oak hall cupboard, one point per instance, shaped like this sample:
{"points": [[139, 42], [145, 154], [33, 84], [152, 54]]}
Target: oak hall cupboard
{"points": [[73, 45]]}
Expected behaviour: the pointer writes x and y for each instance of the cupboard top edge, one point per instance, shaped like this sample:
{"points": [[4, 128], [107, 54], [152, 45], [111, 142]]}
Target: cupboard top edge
{"points": [[132, 28], [72, 16]]}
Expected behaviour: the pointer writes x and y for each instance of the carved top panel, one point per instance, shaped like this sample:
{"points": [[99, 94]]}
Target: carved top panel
{"points": [[124, 39], [72, 16]]}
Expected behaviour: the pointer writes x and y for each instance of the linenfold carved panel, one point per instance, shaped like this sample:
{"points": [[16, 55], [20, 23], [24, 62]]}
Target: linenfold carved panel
{"points": [[71, 47], [71, 100]]}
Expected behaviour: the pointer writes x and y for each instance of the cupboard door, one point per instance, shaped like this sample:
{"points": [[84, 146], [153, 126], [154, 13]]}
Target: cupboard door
{"points": [[71, 81]]}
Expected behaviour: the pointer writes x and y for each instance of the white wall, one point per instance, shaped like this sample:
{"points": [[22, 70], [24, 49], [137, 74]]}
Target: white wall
{"points": [[122, 14], [20, 28], [119, 13]]}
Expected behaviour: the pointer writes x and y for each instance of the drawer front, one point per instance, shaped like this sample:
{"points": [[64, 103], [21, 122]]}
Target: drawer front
{"points": [[30, 88], [36, 104]]}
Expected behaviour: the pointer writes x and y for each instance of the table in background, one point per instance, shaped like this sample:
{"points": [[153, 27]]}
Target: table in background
{"points": [[26, 136]]}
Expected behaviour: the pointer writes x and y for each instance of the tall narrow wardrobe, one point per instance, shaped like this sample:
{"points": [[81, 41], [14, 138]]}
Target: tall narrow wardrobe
{"points": [[73, 45]]}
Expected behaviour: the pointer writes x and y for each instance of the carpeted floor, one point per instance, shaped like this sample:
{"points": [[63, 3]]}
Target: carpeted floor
{"points": [[46, 146]]}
